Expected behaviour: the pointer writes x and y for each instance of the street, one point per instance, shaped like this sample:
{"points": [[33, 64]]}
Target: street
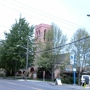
{"points": [[35, 85]]}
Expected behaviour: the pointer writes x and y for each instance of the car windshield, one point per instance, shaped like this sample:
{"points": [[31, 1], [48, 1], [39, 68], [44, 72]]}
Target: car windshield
{"points": [[85, 77]]}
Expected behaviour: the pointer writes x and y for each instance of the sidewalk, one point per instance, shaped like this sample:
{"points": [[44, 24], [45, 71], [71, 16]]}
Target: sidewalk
{"points": [[71, 86]]}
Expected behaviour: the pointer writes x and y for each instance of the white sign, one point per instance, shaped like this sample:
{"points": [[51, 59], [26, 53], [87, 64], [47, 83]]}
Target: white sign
{"points": [[74, 69], [72, 59], [58, 81]]}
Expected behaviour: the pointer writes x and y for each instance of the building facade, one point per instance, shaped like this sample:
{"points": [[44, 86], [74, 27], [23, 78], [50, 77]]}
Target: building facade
{"points": [[40, 32]]}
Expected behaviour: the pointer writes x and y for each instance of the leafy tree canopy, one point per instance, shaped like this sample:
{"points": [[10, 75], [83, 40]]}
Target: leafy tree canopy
{"points": [[81, 49], [54, 38], [12, 56]]}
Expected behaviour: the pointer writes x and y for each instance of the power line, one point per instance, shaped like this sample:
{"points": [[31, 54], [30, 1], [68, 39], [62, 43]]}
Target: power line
{"points": [[4, 26], [39, 13], [55, 18], [31, 15], [63, 45], [47, 13]]}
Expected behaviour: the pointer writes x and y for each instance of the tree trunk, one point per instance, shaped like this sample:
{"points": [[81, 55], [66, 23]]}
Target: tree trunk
{"points": [[4, 73], [52, 75], [15, 75], [79, 81]]}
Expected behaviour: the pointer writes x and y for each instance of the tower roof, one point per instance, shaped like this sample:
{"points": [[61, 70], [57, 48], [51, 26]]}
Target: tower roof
{"points": [[43, 25]]}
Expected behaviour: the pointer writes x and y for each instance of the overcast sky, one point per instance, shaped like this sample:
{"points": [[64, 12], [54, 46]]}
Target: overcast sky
{"points": [[68, 15]]}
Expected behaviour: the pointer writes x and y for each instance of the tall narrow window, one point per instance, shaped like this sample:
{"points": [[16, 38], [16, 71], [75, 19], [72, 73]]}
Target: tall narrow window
{"points": [[39, 32], [44, 34]]}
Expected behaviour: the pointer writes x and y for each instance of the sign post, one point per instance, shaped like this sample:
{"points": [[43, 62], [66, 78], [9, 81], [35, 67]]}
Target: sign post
{"points": [[72, 62], [43, 75]]}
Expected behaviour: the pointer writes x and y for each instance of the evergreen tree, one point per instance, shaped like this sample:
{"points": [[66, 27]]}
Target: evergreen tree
{"points": [[12, 56]]}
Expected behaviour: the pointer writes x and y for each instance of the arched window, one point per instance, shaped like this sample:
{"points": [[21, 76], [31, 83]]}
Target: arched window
{"points": [[44, 34]]}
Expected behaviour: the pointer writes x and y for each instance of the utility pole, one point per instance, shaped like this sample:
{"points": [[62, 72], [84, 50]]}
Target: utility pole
{"points": [[27, 50], [27, 57], [26, 61]]}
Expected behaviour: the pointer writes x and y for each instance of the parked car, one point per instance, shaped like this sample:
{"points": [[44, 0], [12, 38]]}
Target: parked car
{"points": [[85, 79]]}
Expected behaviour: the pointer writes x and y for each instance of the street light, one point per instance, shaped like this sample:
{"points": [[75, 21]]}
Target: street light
{"points": [[26, 54], [88, 15]]}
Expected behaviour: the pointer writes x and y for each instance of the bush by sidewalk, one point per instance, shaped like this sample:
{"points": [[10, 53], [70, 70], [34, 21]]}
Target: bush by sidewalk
{"points": [[68, 80]]}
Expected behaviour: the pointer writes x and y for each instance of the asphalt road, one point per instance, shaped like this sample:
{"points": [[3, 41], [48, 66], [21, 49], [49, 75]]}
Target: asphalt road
{"points": [[35, 85]]}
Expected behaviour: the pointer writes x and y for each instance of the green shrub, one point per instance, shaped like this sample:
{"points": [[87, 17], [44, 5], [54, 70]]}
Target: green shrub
{"points": [[1, 74], [68, 80]]}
